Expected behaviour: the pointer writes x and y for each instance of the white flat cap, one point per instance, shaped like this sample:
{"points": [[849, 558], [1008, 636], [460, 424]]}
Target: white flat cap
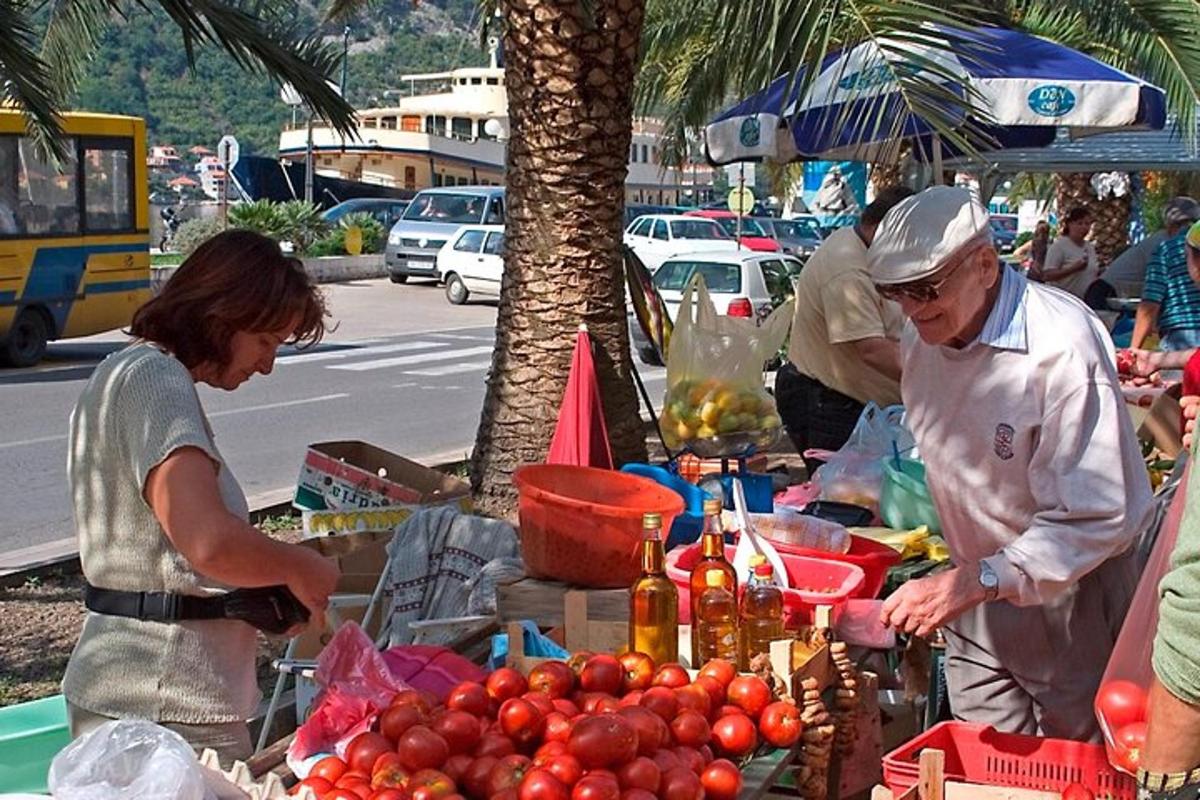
{"points": [[923, 232]]}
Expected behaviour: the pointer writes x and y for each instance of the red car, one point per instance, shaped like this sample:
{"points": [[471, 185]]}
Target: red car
{"points": [[753, 235]]}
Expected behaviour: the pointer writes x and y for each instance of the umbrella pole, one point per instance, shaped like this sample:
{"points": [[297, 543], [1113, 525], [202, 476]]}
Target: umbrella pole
{"points": [[938, 175], [637, 378]]}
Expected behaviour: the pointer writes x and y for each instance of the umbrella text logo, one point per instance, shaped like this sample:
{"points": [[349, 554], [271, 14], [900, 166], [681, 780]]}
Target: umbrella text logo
{"points": [[1052, 101], [750, 133]]}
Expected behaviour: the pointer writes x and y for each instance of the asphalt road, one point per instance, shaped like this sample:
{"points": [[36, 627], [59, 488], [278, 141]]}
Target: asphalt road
{"points": [[403, 370]]}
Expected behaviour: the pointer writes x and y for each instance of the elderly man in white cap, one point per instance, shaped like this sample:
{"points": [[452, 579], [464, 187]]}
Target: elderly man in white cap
{"points": [[1011, 391]]}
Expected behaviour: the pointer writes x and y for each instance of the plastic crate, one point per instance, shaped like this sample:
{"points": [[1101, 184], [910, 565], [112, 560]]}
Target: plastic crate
{"points": [[981, 754], [31, 734]]}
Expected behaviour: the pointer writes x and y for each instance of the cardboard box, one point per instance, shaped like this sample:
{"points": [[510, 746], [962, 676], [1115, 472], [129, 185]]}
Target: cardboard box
{"points": [[355, 475], [361, 557], [1161, 425]]}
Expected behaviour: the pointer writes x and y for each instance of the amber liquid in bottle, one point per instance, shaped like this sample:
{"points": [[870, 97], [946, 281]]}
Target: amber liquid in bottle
{"points": [[715, 631], [654, 600], [761, 617], [712, 550]]}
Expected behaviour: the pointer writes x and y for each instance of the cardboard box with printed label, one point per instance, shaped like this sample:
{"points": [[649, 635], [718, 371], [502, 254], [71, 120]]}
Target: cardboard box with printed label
{"points": [[356, 475]]}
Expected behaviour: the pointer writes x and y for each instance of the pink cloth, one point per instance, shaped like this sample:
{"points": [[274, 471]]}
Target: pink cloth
{"points": [[433, 669]]}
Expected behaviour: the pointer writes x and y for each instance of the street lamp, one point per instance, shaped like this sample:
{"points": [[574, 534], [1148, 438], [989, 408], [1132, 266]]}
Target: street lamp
{"points": [[345, 58]]}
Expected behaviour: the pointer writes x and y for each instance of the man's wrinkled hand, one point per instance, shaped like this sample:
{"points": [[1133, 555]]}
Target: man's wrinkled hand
{"points": [[922, 606]]}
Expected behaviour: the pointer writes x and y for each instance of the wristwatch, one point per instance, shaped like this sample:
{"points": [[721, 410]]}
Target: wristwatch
{"points": [[990, 582]]}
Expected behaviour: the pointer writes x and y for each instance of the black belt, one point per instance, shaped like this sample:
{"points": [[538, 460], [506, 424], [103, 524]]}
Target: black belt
{"points": [[273, 609]]}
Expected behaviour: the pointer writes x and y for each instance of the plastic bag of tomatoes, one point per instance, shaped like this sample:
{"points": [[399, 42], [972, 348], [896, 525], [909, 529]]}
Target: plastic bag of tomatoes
{"points": [[1121, 700]]}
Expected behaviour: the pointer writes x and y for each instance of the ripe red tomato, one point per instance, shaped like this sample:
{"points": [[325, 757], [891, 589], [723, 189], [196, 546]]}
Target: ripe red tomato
{"points": [[603, 740], [394, 721], [694, 697], [541, 784], [566, 768], [319, 786], [578, 659], [637, 671], [734, 735], [707, 754], [690, 757], [602, 673], [662, 701], [540, 700], [728, 708], [424, 701], [641, 773], [671, 675], [421, 748], [388, 772], [494, 744], [596, 787], [666, 760], [507, 794], [475, 779], [343, 793], [546, 753], [553, 678], [508, 773], [388, 794], [565, 707], [362, 752], [722, 780], [1131, 740], [456, 767], [1121, 703], [330, 768], [557, 728], [648, 726], [631, 698], [506, 683], [460, 730], [1077, 791], [521, 721], [437, 783], [716, 692], [637, 794], [780, 724], [681, 784], [690, 729], [470, 697], [720, 670], [750, 694]]}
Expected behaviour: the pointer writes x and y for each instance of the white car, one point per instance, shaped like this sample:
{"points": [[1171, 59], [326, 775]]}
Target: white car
{"points": [[741, 284], [472, 262], [657, 237]]}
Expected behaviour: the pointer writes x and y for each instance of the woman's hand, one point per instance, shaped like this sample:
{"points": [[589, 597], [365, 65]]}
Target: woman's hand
{"points": [[312, 578], [1190, 406]]}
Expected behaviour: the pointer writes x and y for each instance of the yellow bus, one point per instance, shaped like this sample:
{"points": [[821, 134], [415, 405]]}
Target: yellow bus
{"points": [[74, 237]]}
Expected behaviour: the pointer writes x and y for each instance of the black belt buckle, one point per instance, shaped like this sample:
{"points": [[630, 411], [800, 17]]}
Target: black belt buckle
{"points": [[158, 606]]}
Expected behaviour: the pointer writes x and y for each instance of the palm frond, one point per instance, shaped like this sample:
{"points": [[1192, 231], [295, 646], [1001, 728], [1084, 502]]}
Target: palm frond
{"points": [[25, 80], [73, 35]]}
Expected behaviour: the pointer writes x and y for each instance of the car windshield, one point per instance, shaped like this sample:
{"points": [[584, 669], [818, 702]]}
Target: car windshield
{"points": [[797, 228], [696, 229], [719, 278], [749, 226], [1004, 224], [452, 209]]}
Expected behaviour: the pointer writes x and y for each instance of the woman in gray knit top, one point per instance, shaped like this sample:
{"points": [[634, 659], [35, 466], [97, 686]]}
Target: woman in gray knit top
{"points": [[158, 511]]}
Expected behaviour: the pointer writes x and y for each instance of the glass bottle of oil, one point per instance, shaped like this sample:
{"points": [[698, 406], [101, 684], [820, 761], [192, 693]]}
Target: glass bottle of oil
{"points": [[654, 600], [761, 614], [712, 558], [715, 626]]}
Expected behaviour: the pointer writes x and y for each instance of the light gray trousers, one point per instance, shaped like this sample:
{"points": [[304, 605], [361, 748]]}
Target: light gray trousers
{"points": [[230, 740], [1035, 669]]}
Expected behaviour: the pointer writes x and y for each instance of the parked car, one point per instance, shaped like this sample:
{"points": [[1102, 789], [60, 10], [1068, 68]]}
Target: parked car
{"points": [[472, 262], [432, 217], [657, 237], [387, 210], [635, 210], [1004, 232], [752, 234], [799, 236], [742, 284]]}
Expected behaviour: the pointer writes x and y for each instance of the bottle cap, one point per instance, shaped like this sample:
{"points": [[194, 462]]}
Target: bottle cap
{"points": [[651, 521], [757, 559], [712, 506], [763, 570], [714, 577]]}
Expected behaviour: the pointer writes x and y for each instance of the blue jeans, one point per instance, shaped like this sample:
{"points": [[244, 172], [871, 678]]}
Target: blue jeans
{"points": [[1180, 339]]}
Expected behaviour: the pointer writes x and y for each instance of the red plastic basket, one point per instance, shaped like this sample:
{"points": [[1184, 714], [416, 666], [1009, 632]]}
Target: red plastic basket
{"points": [[874, 558], [982, 754]]}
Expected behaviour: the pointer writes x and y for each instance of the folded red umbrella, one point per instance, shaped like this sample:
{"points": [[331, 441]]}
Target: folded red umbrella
{"points": [[580, 437]]}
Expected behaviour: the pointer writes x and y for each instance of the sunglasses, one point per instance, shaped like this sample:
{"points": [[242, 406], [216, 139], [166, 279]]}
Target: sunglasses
{"points": [[924, 290]]}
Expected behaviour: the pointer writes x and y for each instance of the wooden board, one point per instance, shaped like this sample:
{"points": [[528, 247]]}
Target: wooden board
{"points": [[543, 602]]}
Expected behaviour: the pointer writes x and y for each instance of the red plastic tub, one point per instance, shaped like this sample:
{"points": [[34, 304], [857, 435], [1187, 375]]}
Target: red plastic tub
{"points": [[825, 582], [584, 525], [981, 754], [874, 558]]}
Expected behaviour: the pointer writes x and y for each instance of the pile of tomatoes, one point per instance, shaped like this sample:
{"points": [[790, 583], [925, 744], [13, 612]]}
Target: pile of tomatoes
{"points": [[596, 727], [1122, 707]]}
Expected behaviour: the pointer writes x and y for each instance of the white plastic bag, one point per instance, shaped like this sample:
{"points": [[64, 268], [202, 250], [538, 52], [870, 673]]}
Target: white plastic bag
{"points": [[854, 474], [128, 759]]}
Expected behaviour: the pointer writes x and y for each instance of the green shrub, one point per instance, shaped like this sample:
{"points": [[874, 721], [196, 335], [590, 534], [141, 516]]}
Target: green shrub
{"points": [[301, 224], [261, 216], [196, 232]]}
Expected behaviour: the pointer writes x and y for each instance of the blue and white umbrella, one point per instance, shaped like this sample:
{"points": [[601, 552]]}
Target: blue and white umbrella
{"points": [[1025, 87]]}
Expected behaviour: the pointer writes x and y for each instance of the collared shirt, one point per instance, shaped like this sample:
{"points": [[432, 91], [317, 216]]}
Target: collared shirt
{"points": [[1169, 284], [1005, 326]]}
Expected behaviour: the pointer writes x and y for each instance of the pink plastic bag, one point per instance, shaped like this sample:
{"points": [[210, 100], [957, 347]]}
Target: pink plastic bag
{"points": [[356, 685], [1121, 701]]}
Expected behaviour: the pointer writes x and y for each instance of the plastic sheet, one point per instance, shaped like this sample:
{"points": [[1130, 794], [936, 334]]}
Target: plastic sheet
{"points": [[126, 759]]}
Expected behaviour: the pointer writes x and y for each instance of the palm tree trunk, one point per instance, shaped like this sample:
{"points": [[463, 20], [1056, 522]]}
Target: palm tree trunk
{"points": [[570, 68], [885, 175]]}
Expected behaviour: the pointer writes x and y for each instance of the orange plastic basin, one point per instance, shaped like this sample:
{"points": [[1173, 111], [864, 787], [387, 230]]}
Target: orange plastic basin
{"points": [[583, 525]]}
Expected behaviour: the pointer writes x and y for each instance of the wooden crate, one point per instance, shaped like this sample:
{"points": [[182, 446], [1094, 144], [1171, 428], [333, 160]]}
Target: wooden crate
{"points": [[581, 631], [544, 602]]}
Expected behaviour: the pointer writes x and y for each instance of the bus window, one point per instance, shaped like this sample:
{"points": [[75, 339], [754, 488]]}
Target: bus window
{"points": [[36, 199], [107, 187]]}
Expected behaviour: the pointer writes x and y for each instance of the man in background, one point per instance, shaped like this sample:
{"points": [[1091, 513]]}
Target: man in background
{"points": [[1170, 298]]}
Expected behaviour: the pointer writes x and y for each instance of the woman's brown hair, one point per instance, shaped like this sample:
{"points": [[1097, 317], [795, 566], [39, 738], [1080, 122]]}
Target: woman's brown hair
{"points": [[236, 281]]}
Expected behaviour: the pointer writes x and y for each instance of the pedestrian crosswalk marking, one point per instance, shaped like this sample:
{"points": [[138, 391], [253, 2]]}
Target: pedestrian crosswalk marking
{"points": [[450, 369], [309, 358], [419, 358]]}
